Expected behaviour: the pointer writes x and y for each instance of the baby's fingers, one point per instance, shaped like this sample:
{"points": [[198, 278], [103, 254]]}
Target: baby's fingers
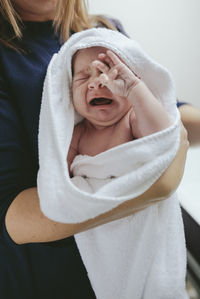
{"points": [[113, 57], [108, 79], [106, 59], [102, 67], [113, 74], [103, 78]]}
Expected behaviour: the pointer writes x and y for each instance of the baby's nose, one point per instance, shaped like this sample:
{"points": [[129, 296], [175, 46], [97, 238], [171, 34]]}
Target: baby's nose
{"points": [[94, 84]]}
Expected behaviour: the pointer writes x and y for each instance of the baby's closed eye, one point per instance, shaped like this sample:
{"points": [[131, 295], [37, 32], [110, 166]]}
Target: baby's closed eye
{"points": [[81, 79]]}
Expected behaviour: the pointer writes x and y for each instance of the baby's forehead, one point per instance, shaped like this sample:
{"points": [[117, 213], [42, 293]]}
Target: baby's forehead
{"points": [[87, 51], [86, 55]]}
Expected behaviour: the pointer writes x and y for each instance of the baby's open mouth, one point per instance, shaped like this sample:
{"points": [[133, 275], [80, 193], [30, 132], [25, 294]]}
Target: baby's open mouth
{"points": [[100, 101]]}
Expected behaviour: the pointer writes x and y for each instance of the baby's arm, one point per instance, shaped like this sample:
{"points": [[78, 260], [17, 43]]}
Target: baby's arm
{"points": [[149, 115]]}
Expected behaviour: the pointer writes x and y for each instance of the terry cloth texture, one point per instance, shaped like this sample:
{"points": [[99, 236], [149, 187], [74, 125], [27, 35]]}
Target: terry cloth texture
{"points": [[141, 256]]}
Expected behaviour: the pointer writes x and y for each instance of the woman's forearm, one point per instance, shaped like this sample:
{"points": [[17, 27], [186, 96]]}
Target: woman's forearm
{"points": [[26, 223], [190, 117]]}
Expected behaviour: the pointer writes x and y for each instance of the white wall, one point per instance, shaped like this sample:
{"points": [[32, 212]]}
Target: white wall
{"points": [[169, 31]]}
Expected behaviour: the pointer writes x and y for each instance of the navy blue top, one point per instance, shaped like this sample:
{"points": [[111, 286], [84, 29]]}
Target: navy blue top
{"points": [[179, 103], [51, 270]]}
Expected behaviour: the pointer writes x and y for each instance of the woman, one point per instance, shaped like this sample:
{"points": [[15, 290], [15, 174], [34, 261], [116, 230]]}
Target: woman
{"points": [[39, 257]]}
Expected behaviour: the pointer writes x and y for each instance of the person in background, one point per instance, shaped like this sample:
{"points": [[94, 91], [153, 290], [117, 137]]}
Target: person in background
{"points": [[39, 257]]}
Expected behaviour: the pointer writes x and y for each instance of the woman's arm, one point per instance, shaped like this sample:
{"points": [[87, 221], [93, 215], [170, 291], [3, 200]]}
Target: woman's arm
{"points": [[190, 117], [26, 223]]}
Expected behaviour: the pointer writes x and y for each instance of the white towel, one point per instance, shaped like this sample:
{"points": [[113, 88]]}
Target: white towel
{"points": [[141, 256]]}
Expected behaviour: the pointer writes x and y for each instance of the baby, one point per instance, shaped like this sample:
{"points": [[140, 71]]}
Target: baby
{"points": [[115, 103]]}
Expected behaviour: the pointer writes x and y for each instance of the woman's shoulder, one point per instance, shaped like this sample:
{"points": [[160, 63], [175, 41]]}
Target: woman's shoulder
{"points": [[116, 23], [3, 55]]}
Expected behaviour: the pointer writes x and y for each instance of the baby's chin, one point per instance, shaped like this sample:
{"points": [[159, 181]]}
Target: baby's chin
{"points": [[104, 120]]}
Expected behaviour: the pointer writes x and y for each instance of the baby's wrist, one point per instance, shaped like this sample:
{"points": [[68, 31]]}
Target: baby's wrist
{"points": [[130, 93]]}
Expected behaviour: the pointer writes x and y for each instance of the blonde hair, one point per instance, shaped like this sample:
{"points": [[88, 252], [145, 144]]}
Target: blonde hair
{"points": [[71, 15]]}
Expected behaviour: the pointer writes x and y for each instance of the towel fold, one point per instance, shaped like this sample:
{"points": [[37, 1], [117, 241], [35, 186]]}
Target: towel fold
{"points": [[141, 256]]}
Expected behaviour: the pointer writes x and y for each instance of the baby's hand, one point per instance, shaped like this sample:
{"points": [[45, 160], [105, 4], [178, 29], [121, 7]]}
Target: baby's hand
{"points": [[115, 74]]}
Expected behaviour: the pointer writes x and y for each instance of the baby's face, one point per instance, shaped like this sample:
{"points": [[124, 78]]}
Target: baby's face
{"points": [[93, 101]]}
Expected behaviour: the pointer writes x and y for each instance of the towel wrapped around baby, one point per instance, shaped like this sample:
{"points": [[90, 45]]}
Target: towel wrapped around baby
{"points": [[140, 256]]}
